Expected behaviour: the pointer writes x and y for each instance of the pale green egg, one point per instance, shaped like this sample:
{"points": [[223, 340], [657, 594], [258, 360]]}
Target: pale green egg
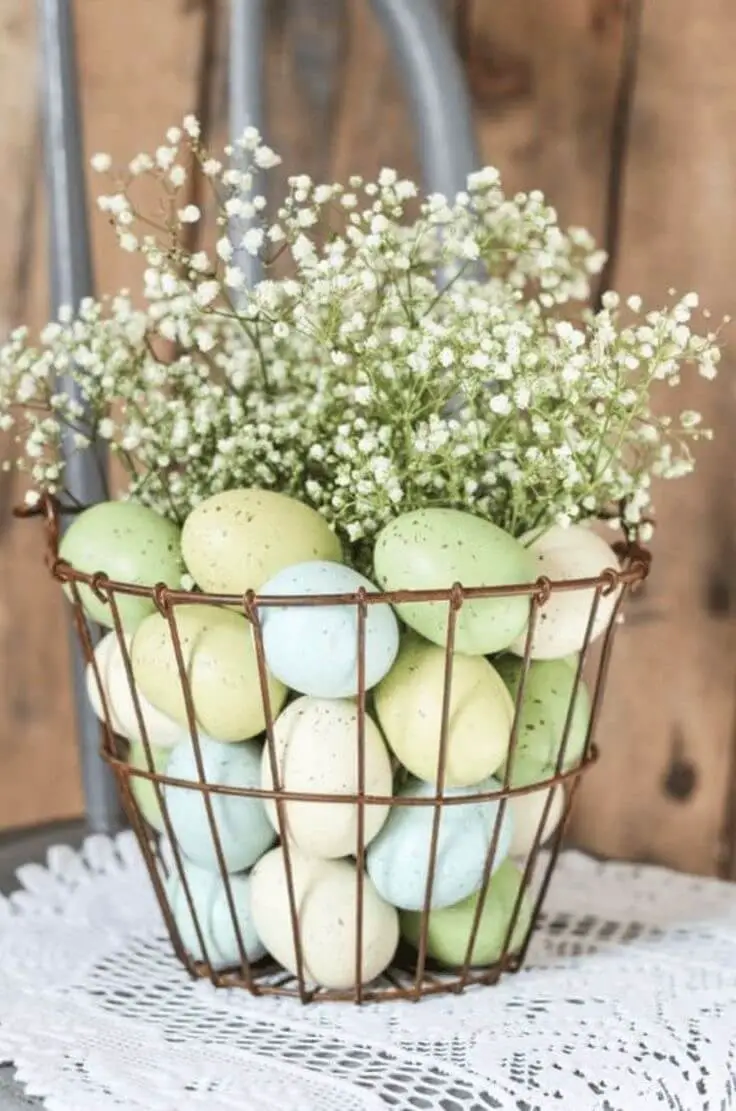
{"points": [[221, 665], [433, 549], [548, 692], [238, 540], [143, 790], [409, 703], [129, 543], [449, 928]]}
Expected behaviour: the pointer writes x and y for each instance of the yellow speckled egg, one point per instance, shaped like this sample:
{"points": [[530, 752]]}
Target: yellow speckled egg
{"points": [[575, 552], [326, 901], [237, 540], [161, 731], [317, 750], [431, 549], [220, 660], [526, 813], [129, 543], [409, 702]]}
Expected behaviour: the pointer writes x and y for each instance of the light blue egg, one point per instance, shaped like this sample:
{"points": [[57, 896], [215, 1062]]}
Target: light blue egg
{"points": [[398, 859], [314, 649], [213, 916], [242, 824]]}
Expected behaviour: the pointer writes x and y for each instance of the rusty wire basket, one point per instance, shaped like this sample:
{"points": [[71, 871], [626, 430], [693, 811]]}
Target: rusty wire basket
{"points": [[413, 973]]}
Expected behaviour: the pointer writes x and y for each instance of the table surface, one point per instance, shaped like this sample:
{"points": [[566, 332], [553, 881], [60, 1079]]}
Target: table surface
{"points": [[17, 848]]}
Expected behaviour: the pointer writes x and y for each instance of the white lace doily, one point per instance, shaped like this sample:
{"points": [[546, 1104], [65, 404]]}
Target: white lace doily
{"points": [[629, 1002]]}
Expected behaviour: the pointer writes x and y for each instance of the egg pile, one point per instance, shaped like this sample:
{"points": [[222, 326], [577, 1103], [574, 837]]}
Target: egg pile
{"points": [[255, 540]]}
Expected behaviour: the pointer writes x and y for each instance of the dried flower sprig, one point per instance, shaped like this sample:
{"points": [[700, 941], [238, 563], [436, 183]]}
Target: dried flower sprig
{"points": [[417, 352]]}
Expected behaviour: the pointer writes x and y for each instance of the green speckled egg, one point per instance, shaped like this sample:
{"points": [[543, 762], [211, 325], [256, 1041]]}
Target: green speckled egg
{"points": [[143, 790], [219, 655], [238, 540], [409, 707], [448, 930], [435, 548], [547, 694], [130, 543]]}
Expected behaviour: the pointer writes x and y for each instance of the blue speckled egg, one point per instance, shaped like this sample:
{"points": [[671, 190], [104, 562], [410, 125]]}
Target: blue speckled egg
{"points": [[242, 824], [214, 917], [129, 543], [398, 859], [314, 649]]}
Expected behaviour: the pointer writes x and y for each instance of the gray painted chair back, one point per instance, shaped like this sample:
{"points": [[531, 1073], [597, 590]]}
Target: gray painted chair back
{"points": [[436, 90]]}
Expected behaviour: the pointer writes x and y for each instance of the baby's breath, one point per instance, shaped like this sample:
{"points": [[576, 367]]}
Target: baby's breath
{"points": [[420, 351]]}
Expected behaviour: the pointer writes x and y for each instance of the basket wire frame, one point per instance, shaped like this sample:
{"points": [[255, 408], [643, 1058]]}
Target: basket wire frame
{"points": [[412, 974]]}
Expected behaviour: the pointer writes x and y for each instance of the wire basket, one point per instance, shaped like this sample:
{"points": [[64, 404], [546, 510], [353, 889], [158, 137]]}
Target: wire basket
{"points": [[413, 971]]}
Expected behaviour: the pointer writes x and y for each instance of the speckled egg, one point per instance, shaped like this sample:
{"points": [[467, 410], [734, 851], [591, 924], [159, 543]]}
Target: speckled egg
{"points": [[435, 548], [398, 860], [244, 831], [317, 750], [526, 813], [325, 894], [129, 543], [449, 929], [238, 540], [409, 708], [547, 696], [561, 554], [220, 658], [314, 649], [162, 731], [143, 790], [214, 917]]}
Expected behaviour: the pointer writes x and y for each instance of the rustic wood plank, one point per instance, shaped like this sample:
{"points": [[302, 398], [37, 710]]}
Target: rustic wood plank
{"points": [[139, 66]]}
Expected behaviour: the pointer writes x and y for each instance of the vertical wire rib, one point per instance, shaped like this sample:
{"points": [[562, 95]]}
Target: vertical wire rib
{"points": [[71, 281], [360, 847], [246, 105], [435, 84]]}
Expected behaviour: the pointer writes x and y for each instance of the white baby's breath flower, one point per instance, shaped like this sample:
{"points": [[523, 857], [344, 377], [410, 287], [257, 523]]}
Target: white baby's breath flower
{"points": [[190, 124], [100, 162], [189, 215], [206, 293], [234, 277], [253, 240]]}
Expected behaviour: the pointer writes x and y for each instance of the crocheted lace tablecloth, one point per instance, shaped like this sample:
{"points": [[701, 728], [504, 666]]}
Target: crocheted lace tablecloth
{"points": [[628, 1002]]}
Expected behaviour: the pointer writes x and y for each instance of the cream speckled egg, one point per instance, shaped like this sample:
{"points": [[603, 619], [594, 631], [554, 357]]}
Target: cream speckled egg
{"points": [[317, 750], [237, 540], [129, 543], [326, 901], [213, 916], [143, 790], [526, 812], [435, 548], [220, 658], [543, 715], [162, 731], [561, 554], [449, 929], [314, 649], [409, 708], [244, 831], [398, 860]]}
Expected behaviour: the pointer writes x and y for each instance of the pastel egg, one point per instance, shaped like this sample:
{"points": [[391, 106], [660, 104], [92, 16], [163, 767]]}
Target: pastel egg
{"points": [[143, 790], [130, 543], [399, 858], [238, 540], [213, 916], [548, 692], [435, 548], [562, 554], [314, 649], [221, 664], [449, 929], [244, 831], [527, 812], [161, 731], [409, 707], [316, 744], [325, 893]]}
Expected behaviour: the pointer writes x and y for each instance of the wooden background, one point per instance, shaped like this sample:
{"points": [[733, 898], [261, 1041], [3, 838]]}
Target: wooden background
{"points": [[544, 79]]}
